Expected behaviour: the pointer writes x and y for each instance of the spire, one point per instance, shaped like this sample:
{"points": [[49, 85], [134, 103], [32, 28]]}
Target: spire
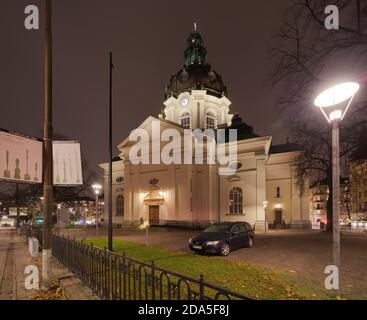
{"points": [[195, 52]]}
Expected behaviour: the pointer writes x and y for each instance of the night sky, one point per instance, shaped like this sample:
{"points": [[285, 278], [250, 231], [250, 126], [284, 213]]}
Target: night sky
{"points": [[147, 39]]}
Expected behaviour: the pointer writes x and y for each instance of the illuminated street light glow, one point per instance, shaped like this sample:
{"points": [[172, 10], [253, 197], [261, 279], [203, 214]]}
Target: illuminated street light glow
{"points": [[97, 188], [331, 99], [336, 94]]}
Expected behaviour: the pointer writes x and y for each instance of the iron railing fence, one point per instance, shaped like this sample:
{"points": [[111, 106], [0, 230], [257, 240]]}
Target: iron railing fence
{"points": [[113, 276]]}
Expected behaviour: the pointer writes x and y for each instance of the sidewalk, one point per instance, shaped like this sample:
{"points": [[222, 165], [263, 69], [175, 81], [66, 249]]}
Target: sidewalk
{"points": [[14, 257], [71, 285]]}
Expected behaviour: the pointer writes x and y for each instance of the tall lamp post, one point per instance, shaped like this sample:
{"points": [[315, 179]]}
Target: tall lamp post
{"points": [[97, 190], [265, 205], [58, 216], [334, 104]]}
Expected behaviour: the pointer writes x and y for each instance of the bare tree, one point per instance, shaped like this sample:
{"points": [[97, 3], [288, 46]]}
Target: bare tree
{"points": [[307, 57]]}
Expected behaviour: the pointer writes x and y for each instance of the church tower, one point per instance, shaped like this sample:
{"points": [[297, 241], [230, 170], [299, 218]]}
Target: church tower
{"points": [[196, 96]]}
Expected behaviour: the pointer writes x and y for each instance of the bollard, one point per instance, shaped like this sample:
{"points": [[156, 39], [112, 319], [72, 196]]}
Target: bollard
{"points": [[33, 247]]}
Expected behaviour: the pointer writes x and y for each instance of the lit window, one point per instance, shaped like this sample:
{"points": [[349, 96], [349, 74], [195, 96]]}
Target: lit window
{"points": [[210, 120], [120, 206], [235, 201], [186, 120]]}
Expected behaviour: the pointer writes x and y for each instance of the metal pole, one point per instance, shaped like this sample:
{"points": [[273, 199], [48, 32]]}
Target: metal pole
{"points": [[18, 200], [146, 234], [110, 247], [336, 197], [47, 153], [97, 206]]}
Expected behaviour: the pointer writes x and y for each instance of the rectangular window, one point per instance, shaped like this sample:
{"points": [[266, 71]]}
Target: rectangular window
{"points": [[278, 192]]}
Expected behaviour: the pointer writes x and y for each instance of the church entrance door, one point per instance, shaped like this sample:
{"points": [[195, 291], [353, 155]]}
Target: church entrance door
{"points": [[153, 215], [278, 221]]}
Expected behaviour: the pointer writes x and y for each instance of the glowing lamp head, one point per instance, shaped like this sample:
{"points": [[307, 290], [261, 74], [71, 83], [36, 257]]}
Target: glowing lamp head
{"points": [[335, 101], [97, 188]]}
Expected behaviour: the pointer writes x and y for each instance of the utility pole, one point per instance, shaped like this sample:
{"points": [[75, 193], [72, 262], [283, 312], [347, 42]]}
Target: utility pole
{"points": [[47, 152], [18, 204], [110, 245]]}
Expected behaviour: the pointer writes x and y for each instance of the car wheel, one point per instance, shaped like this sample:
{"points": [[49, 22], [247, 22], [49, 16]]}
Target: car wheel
{"points": [[225, 249], [250, 242]]}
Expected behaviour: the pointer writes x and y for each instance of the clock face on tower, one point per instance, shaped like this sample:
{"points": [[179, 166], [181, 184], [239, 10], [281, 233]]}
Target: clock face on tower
{"points": [[184, 102]]}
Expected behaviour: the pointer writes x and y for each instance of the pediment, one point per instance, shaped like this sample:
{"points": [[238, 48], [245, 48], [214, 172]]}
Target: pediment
{"points": [[147, 125]]}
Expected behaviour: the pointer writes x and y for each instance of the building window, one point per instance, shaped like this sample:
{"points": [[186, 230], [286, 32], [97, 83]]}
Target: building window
{"points": [[210, 120], [120, 206], [278, 192], [235, 201], [186, 120]]}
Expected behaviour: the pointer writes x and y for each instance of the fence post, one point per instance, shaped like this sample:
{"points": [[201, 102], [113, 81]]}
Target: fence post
{"points": [[201, 281], [124, 273], [104, 263], [153, 280]]}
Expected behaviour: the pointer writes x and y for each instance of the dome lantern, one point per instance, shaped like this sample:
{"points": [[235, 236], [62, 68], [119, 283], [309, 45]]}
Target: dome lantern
{"points": [[197, 73], [195, 52]]}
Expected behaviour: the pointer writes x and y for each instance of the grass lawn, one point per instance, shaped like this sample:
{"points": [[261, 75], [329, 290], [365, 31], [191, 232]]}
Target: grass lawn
{"points": [[249, 280]]}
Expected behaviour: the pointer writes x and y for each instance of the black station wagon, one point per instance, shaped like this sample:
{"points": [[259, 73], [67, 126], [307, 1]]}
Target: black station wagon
{"points": [[222, 238]]}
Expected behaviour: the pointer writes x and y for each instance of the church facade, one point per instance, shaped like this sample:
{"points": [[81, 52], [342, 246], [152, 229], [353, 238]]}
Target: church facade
{"points": [[262, 189]]}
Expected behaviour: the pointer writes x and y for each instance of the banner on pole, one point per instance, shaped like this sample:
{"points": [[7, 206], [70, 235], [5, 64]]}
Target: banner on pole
{"points": [[67, 164], [20, 158]]}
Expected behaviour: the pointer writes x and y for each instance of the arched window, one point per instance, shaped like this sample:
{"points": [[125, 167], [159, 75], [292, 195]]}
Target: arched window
{"points": [[210, 120], [235, 201], [186, 120], [120, 206]]}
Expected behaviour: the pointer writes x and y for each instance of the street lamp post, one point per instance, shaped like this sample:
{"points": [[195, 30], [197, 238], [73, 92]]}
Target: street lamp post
{"points": [[334, 104], [97, 190], [58, 216], [265, 204]]}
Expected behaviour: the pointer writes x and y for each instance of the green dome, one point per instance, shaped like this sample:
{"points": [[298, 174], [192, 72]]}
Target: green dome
{"points": [[197, 73]]}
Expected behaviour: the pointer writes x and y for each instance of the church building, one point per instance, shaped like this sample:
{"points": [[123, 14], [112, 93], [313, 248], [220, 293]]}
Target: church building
{"points": [[262, 190]]}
